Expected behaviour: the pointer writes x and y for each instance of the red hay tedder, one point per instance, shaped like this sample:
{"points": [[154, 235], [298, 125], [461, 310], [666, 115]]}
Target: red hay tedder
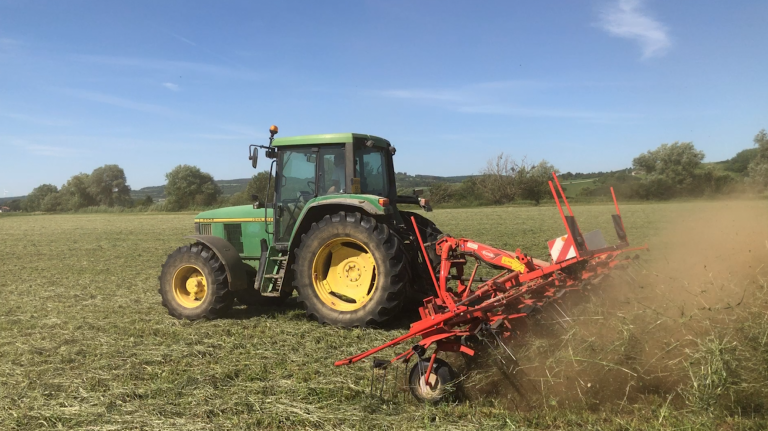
{"points": [[463, 310]]}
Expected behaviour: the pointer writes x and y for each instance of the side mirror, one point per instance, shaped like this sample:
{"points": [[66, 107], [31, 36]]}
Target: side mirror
{"points": [[424, 204], [256, 203], [254, 157]]}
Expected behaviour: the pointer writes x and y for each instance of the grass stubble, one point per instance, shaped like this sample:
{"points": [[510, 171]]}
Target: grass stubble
{"points": [[678, 341]]}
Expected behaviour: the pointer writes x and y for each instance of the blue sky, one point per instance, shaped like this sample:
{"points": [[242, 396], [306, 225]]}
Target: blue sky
{"points": [[587, 85]]}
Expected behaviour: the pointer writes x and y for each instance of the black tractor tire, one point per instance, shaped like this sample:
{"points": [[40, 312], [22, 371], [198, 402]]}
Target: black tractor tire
{"points": [[423, 285], [429, 234], [390, 270], [201, 261], [442, 380]]}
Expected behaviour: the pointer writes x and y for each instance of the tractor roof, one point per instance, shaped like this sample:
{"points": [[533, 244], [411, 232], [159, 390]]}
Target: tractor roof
{"points": [[332, 138]]}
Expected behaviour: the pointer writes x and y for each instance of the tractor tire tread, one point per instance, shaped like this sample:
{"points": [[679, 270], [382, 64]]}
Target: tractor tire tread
{"points": [[391, 273], [219, 298]]}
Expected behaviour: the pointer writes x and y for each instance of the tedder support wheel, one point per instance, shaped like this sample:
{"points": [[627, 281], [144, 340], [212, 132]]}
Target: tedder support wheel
{"points": [[193, 284], [438, 387], [349, 271]]}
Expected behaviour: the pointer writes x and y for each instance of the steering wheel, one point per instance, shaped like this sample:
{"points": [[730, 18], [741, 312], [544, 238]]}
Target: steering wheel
{"points": [[312, 186]]}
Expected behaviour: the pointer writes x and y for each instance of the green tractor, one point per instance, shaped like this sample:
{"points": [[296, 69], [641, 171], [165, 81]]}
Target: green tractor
{"points": [[332, 232]]}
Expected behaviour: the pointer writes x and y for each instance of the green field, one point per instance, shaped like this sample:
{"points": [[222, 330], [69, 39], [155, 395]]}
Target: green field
{"points": [[86, 344], [573, 187]]}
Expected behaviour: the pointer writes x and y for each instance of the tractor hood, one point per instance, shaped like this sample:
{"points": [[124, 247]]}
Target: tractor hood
{"points": [[242, 213]]}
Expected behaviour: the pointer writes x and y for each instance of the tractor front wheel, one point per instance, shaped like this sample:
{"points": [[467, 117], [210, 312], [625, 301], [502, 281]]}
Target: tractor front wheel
{"points": [[349, 271], [193, 284]]}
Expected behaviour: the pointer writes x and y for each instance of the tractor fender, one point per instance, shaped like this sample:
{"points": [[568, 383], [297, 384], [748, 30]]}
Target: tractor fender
{"points": [[229, 256], [335, 205], [360, 203]]}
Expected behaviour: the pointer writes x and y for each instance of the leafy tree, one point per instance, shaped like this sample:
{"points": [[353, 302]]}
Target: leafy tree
{"points": [[670, 169], [188, 185], [257, 186], [503, 180], [147, 201], [469, 192], [34, 201], [108, 186], [532, 181], [75, 193], [497, 182], [739, 163], [586, 191], [758, 168], [711, 180], [14, 205], [440, 193], [52, 203]]}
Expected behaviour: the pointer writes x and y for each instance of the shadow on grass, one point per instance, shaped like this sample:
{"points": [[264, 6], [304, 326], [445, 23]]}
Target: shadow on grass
{"points": [[291, 308], [240, 312]]}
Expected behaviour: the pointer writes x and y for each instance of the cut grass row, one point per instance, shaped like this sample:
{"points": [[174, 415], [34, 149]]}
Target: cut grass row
{"points": [[86, 345]]}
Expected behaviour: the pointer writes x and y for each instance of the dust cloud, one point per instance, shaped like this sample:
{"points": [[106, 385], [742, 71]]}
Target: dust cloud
{"points": [[632, 339]]}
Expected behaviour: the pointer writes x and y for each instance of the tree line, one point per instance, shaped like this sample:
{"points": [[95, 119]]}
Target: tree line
{"points": [[669, 171], [186, 187]]}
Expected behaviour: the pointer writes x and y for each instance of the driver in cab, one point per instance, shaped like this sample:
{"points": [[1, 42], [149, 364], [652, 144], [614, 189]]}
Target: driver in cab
{"points": [[338, 179]]}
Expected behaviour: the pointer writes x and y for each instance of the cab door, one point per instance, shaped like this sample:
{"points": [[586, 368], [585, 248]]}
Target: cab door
{"points": [[297, 184]]}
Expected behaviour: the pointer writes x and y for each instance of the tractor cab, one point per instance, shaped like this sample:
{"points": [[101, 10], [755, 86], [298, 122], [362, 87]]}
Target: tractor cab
{"points": [[317, 170]]}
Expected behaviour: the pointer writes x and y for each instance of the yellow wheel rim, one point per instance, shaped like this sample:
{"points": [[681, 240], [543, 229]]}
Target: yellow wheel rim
{"points": [[344, 274], [189, 286]]}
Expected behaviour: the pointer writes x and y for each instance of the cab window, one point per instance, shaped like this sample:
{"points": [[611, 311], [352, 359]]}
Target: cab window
{"points": [[297, 187], [371, 168], [332, 178]]}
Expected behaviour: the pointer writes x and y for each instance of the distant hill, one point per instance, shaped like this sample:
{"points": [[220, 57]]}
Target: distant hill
{"points": [[230, 187], [740, 162], [10, 198], [405, 181]]}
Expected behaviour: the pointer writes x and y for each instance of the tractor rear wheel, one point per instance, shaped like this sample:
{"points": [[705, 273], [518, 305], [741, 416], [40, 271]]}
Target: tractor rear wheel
{"points": [[429, 235], [349, 271], [193, 284]]}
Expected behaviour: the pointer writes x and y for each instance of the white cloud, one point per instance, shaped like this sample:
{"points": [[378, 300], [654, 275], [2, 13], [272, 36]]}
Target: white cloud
{"points": [[171, 86], [519, 111], [627, 19], [36, 120], [169, 66], [120, 102], [498, 98], [9, 46], [424, 94], [43, 149], [181, 38], [50, 150], [219, 137], [8, 42]]}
